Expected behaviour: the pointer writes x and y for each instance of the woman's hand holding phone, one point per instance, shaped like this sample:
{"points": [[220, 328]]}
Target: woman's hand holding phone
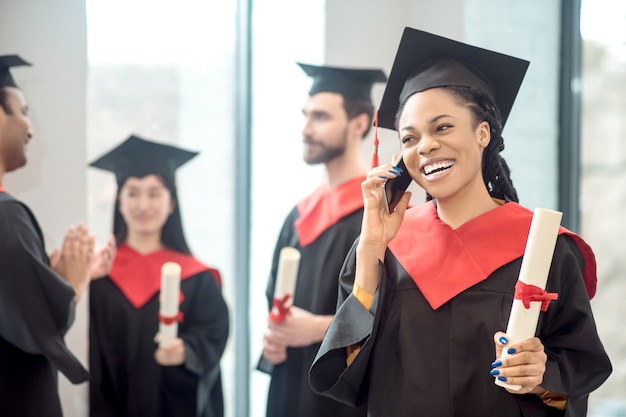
{"points": [[378, 227]]}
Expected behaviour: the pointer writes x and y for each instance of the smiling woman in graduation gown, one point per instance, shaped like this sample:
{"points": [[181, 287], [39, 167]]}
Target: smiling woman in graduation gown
{"points": [[127, 380], [426, 291]]}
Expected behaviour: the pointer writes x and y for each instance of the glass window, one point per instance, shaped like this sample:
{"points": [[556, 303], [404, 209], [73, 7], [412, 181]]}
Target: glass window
{"points": [[603, 179]]}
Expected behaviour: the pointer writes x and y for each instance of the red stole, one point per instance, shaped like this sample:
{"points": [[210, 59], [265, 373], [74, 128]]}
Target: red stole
{"points": [[325, 207], [139, 276], [444, 262]]}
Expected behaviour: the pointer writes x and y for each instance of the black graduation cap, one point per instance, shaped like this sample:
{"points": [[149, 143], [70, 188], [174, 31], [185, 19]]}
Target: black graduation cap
{"points": [[137, 157], [349, 82], [6, 62], [424, 61]]}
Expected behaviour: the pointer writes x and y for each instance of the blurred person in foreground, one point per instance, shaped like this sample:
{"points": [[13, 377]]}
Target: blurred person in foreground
{"points": [[38, 294]]}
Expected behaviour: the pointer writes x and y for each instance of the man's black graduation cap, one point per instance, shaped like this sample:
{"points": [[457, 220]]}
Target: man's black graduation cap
{"points": [[6, 62], [137, 157], [424, 61], [350, 82]]}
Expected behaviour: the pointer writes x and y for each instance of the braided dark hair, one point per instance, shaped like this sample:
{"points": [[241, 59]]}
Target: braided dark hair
{"points": [[496, 172]]}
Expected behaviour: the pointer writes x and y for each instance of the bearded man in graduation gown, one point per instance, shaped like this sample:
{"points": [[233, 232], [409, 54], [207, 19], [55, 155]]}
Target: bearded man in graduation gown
{"points": [[37, 297], [323, 227]]}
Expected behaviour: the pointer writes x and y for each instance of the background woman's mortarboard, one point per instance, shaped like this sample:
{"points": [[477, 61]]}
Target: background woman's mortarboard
{"points": [[6, 62], [137, 157]]}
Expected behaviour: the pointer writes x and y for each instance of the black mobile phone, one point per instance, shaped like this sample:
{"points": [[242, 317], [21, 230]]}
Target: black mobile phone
{"points": [[394, 188]]}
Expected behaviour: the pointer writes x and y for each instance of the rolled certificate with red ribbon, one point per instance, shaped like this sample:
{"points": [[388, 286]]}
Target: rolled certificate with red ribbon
{"points": [[286, 279], [169, 314], [530, 295]]}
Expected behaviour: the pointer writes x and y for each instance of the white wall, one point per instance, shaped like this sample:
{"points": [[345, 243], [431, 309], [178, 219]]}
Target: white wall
{"points": [[51, 35]]}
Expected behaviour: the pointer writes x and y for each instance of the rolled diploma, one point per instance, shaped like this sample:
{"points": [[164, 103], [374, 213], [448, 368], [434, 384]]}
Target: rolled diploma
{"points": [[286, 280], [170, 298], [544, 229]]}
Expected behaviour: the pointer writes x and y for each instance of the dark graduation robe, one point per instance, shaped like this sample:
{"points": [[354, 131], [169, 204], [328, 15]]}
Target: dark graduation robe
{"points": [[428, 345], [36, 310], [322, 227], [124, 307]]}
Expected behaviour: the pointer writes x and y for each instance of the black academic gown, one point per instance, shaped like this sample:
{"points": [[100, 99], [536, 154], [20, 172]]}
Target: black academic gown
{"points": [[289, 393], [421, 361], [126, 379], [36, 310]]}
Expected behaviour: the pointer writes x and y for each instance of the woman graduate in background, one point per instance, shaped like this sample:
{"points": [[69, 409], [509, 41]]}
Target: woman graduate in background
{"points": [[131, 376], [426, 291]]}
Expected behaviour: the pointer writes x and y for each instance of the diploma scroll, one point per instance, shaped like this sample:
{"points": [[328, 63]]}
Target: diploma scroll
{"points": [[286, 279], [169, 314], [530, 296]]}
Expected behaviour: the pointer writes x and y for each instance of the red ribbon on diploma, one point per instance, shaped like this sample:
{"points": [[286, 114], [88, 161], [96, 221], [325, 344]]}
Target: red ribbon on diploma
{"points": [[527, 293], [171, 319], [176, 318], [279, 305]]}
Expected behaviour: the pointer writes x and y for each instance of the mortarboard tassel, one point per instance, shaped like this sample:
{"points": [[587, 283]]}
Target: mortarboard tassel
{"points": [[375, 154]]}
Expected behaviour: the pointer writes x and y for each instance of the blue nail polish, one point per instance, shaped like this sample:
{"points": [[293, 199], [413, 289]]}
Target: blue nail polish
{"points": [[496, 364], [502, 378], [494, 372], [382, 176], [393, 171], [503, 340], [400, 170], [511, 351]]}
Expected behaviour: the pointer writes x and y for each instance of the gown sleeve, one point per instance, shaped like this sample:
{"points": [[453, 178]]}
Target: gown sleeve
{"points": [[36, 304], [577, 361], [191, 387], [102, 388], [353, 324], [206, 332]]}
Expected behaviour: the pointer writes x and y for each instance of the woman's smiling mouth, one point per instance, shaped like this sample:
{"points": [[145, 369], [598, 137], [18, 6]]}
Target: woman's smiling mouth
{"points": [[437, 167]]}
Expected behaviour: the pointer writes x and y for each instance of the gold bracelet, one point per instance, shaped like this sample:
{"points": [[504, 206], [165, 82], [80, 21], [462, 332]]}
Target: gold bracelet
{"points": [[363, 296]]}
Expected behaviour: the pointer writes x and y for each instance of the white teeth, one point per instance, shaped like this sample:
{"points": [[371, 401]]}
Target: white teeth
{"points": [[429, 169]]}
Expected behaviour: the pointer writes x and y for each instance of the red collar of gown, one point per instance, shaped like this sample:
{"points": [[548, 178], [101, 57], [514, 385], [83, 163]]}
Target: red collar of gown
{"points": [[325, 207], [138, 276], [444, 262]]}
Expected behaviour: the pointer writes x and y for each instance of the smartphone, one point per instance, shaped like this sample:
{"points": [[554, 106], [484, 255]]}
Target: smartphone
{"points": [[394, 188]]}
